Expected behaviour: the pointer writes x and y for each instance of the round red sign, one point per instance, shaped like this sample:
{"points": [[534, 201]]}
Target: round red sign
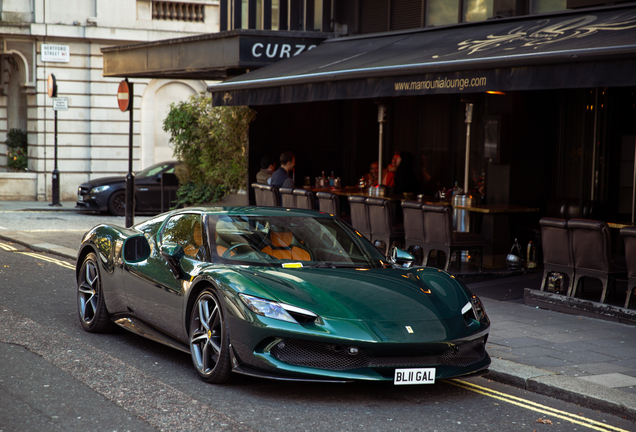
{"points": [[51, 86], [123, 96]]}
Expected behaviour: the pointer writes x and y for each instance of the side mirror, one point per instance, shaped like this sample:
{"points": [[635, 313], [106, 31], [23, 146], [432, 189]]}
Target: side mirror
{"points": [[400, 257], [136, 249], [173, 253]]}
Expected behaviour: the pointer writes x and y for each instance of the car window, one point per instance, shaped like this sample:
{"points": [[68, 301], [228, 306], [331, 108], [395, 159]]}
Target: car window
{"points": [[152, 170], [186, 230], [275, 240], [151, 226]]}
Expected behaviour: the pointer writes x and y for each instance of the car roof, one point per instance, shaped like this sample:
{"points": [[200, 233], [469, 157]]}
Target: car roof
{"points": [[256, 211]]}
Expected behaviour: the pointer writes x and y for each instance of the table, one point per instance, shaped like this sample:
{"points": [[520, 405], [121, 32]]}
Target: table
{"points": [[495, 228], [619, 225], [348, 191]]}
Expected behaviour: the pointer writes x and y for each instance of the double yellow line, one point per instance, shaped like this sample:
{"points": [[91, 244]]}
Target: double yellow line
{"points": [[64, 264], [533, 406]]}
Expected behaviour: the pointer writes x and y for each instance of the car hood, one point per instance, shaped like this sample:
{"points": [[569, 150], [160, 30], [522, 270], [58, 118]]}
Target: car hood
{"points": [[371, 295], [104, 181]]}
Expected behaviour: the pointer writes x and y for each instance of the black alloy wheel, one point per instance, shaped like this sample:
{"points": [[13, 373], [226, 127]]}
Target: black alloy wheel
{"points": [[209, 341], [91, 307], [117, 203]]}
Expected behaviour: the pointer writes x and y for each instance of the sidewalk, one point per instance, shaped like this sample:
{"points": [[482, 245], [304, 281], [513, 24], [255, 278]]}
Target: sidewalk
{"points": [[582, 360]]}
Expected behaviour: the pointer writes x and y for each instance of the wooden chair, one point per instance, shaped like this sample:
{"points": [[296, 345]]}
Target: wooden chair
{"points": [[438, 229]]}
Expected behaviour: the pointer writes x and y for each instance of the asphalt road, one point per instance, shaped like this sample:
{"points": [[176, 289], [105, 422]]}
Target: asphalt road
{"points": [[54, 376]]}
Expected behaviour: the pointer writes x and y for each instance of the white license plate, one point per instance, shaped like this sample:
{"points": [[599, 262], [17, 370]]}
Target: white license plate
{"points": [[414, 376]]}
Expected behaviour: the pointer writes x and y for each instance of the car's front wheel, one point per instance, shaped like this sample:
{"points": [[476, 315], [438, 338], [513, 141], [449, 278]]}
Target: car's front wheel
{"points": [[209, 342], [117, 203], [90, 297]]}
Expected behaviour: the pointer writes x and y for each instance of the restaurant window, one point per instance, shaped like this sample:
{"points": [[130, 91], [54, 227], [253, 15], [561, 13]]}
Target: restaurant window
{"points": [[477, 10], [545, 6], [303, 15], [442, 12]]}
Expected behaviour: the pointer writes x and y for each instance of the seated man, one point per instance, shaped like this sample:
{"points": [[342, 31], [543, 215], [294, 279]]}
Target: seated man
{"points": [[192, 249], [281, 247]]}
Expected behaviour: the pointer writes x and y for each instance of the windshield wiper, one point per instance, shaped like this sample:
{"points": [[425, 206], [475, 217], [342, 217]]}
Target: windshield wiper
{"points": [[323, 265], [332, 265]]}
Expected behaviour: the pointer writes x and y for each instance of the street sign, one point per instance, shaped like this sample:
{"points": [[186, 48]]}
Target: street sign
{"points": [[123, 96], [55, 53], [51, 86], [60, 104]]}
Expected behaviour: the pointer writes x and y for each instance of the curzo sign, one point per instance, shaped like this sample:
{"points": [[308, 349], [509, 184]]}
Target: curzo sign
{"points": [[270, 50], [266, 50]]}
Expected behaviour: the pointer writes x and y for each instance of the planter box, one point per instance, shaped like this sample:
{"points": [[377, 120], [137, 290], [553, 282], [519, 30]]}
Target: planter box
{"points": [[18, 186]]}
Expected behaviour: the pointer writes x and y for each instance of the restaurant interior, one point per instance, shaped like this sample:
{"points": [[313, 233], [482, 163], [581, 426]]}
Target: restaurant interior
{"points": [[562, 153]]}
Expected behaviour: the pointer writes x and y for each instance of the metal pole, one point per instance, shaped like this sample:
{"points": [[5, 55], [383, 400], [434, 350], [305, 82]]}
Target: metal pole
{"points": [[469, 120], [56, 173], [130, 177], [381, 119], [634, 183]]}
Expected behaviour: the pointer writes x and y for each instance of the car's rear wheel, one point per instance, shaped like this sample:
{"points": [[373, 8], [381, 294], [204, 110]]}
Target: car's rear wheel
{"points": [[209, 340], [117, 203], [91, 307]]}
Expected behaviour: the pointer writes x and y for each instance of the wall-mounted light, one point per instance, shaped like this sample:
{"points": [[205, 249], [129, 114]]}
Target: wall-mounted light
{"points": [[495, 92]]}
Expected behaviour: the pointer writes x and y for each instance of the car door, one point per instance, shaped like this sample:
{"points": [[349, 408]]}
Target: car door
{"points": [[154, 293], [149, 190]]}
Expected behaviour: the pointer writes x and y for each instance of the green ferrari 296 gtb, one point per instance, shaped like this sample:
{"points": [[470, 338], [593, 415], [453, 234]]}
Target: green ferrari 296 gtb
{"points": [[279, 293]]}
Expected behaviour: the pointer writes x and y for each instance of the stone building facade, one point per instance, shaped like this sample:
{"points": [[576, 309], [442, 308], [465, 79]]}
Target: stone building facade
{"points": [[93, 132]]}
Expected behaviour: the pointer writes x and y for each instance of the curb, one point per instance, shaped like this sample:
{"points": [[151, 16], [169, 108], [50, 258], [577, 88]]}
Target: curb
{"points": [[568, 389], [33, 243]]}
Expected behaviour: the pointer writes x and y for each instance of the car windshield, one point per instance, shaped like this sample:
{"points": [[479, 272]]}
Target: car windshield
{"points": [[289, 241], [155, 169]]}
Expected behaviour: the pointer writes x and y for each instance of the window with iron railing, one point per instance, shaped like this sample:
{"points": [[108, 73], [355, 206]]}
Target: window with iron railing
{"points": [[176, 11]]}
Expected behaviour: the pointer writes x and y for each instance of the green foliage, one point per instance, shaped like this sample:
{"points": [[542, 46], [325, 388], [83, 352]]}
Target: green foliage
{"points": [[212, 143], [17, 149], [192, 193]]}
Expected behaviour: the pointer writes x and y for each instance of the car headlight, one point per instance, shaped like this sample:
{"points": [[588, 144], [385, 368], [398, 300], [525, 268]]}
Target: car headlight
{"points": [[266, 308], [279, 311], [99, 189], [474, 311]]}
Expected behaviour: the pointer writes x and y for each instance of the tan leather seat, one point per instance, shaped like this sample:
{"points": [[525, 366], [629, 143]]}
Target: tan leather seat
{"points": [[281, 247]]}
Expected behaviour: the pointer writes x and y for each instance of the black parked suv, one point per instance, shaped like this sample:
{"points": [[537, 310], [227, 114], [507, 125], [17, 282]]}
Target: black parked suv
{"points": [[109, 193]]}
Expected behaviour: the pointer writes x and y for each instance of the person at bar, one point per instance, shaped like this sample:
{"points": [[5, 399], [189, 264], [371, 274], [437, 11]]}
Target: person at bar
{"points": [[281, 177], [388, 175], [267, 169], [371, 178], [404, 179]]}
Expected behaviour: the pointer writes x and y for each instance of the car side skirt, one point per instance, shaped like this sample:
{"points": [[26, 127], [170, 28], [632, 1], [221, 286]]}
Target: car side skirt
{"points": [[142, 329]]}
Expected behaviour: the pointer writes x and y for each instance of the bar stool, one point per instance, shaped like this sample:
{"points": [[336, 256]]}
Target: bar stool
{"points": [[271, 197], [557, 249], [414, 236], [328, 203], [287, 197], [381, 222], [591, 252], [438, 229], [360, 215], [304, 199]]}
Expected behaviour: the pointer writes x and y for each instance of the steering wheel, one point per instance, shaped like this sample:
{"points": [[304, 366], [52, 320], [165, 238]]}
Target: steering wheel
{"points": [[231, 248]]}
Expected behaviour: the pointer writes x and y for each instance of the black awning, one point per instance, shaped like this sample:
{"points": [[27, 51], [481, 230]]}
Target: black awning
{"points": [[595, 48], [208, 56]]}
